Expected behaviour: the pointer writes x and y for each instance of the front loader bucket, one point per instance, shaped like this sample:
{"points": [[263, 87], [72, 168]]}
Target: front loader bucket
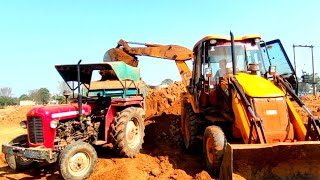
{"points": [[297, 160]]}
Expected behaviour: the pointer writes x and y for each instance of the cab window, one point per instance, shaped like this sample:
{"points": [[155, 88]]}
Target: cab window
{"points": [[273, 54]]}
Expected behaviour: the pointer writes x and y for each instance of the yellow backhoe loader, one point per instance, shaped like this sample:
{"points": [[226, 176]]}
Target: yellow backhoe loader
{"points": [[238, 107]]}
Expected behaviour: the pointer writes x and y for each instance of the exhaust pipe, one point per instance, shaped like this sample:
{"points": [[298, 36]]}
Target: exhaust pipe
{"points": [[79, 96], [234, 68]]}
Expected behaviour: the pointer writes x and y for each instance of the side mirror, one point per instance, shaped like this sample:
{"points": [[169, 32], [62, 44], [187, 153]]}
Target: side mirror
{"points": [[272, 70], [208, 72]]}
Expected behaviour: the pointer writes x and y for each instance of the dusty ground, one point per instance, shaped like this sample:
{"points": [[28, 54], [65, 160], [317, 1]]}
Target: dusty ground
{"points": [[312, 103], [162, 157]]}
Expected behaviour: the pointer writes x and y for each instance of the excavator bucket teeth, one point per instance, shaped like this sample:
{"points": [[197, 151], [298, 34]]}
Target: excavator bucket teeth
{"points": [[297, 160]]}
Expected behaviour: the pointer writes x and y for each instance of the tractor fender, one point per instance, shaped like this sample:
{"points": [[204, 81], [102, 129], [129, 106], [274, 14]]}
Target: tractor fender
{"points": [[108, 121]]}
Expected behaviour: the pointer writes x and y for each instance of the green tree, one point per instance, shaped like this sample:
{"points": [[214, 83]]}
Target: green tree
{"points": [[305, 85], [6, 97], [41, 95], [167, 82], [24, 97], [7, 101], [59, 98], [44, 95], [33, 94]]}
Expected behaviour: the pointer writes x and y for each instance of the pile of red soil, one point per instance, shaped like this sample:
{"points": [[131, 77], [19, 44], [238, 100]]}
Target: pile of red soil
{"points": [[312, 103], [12, 115], [165, 100]]}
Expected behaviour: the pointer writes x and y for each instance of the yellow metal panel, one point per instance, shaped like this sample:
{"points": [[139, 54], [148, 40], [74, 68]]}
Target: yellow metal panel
{"points": [[184, 72], [300, 130], [227, 38], [242, 122], [190, 99], [257, 86], [274, 115], [298, 126]]}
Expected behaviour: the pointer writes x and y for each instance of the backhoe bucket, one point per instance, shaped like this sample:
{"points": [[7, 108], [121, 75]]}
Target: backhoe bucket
{"points": [[297, 160]]}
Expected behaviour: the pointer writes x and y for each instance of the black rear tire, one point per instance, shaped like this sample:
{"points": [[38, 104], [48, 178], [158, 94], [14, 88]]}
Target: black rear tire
{"points": [[128, 131], [77, 161], [214, 144], [18, 163], [190, 129]]}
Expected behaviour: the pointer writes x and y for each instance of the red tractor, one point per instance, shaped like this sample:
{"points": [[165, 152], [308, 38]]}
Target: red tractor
{"points": [[105, 111]]}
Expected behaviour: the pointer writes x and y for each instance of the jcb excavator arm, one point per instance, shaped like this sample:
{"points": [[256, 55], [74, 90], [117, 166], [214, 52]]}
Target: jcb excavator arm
{"points": [[123, 52]]}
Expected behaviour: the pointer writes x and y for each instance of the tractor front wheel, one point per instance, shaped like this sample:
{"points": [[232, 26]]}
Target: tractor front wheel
{"points": [[18, 163], [128, 131], [77, 161], [214, 144]]}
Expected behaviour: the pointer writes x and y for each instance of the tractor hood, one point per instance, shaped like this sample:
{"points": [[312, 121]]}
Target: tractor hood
{"points": [[40, 118], [59, 112], [256, 86]]}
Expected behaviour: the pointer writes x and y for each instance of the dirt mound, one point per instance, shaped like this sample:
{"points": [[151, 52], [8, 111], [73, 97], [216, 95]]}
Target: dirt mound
{"points": [[165, 100], [309, 98], [12, 115], [163, 109], [158, 102], [312, 103]]}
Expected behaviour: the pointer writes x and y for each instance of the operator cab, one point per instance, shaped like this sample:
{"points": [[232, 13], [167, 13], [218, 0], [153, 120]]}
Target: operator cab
{"points": [[213, 63], [246, 54]]}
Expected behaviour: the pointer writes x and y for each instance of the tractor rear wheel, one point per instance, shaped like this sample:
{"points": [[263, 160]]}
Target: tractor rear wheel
{"points": [[128, 131], [189, 128], [77, 161], [214, 144], [18, 163]]}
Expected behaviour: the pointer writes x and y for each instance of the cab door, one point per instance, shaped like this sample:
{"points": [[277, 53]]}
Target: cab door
{"points": [[275, 55]]}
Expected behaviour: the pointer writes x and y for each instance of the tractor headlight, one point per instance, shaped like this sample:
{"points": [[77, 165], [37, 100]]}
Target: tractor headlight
{"points": [[54, 124], [23, 124]]}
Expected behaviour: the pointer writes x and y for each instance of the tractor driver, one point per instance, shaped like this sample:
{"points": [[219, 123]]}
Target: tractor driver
{"points": [[99, 101], [103, 102]]}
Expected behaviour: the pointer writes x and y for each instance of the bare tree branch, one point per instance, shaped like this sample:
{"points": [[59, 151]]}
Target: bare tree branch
{"points": [[6, 91]]}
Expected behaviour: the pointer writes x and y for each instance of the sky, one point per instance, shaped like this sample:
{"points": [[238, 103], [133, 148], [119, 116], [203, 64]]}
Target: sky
{"points": [[36, 35]]}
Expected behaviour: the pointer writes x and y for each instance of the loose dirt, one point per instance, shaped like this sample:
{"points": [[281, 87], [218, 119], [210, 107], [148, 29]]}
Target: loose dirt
{"points": [[162, 157], [312, 103]]}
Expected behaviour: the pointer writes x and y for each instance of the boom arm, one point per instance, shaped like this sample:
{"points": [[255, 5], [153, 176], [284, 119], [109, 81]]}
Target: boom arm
{"points": [[123, 52]]}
